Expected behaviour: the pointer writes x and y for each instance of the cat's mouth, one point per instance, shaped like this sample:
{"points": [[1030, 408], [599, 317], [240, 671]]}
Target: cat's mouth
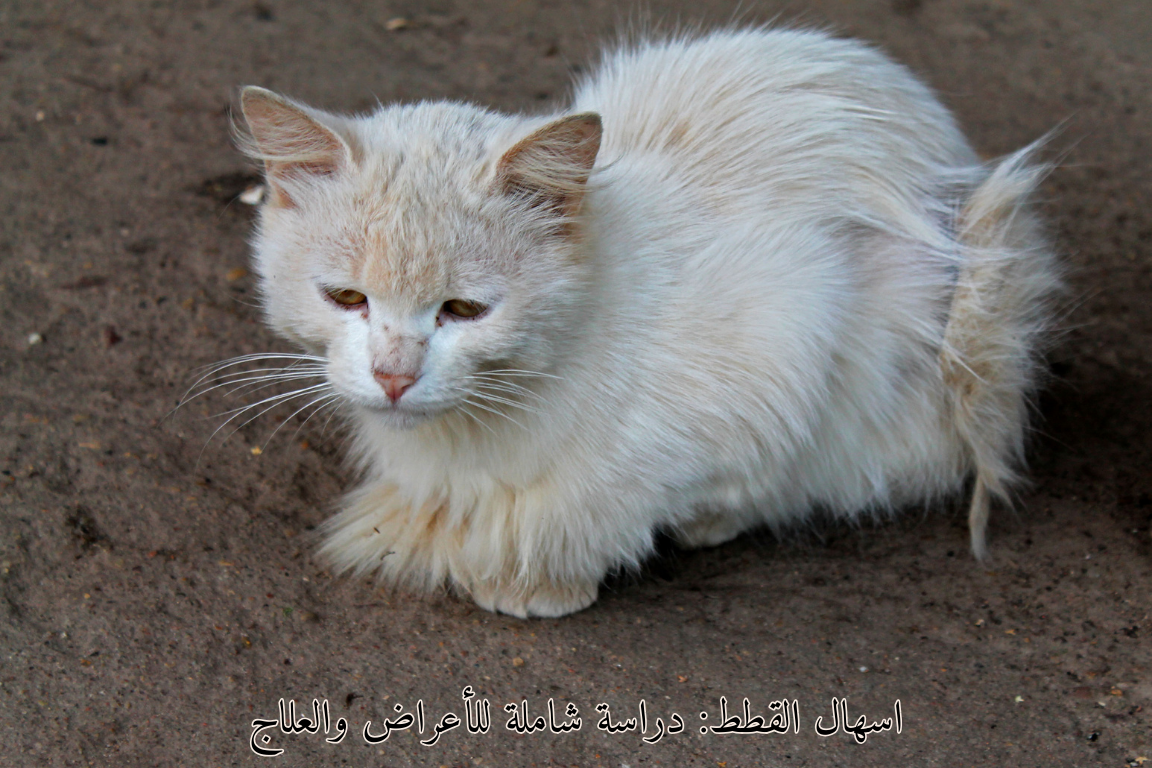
{"points": [[401, 415], [478, 409]]}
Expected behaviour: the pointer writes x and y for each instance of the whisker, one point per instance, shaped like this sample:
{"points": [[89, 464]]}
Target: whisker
{"points": [[506, 386], [273, 378], [257, 385], [281, 396], [496, 412], [228, 375], [280, 400], [216, 368], [477, 419], [288, 369], [534, 397], [333, 400], [261, 356], [520, 372], [335, 410], [276, 400], [320, 399], [489, 397], [216, 371]]}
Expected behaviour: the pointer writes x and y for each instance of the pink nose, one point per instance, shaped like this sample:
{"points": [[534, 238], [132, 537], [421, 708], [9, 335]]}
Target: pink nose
{"points": [[395, 385]]}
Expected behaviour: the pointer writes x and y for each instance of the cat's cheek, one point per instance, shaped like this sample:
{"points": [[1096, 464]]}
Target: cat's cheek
{"points": [[447, 364], [354, 391], [291, 309], [469, 348], [350, 369]]}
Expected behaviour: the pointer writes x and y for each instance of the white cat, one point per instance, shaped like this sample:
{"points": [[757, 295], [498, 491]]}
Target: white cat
{"points": [[747, 275]]}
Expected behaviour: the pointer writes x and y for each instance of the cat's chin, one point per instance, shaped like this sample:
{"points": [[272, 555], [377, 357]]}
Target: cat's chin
{"points": [[396, 418], [399, 419]]}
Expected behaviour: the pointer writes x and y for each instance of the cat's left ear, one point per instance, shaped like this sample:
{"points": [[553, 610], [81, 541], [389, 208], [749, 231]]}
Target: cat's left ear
{"points": [[551, 166], [294, 145]]}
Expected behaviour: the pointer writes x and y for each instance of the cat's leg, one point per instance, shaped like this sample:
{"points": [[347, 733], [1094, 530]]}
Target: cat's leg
{"points": [[722, 511], [381, 531], [543, 599], [710, 528], [426, 547], [550, 566]]}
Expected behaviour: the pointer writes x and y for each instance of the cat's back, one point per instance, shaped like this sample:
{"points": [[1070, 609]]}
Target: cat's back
{"points": [[773, 112]]}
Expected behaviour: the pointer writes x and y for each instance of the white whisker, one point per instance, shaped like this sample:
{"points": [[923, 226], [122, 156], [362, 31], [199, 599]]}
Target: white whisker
{"points": [[252, 381], [320, 399], [496, 412], [266, 381], [232, 361], [519, 372], [477, 419], [287, 370], [333, 400], [281, 396], [280, 400], [490, 398], [506, 386], [218, 367], [335, 410]]}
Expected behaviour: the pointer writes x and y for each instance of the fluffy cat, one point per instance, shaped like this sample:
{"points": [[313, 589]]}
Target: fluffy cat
{"points": [[748, 275]]}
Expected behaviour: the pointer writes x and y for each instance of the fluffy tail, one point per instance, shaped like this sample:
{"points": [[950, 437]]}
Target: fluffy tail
{"points": [[996, 329]]}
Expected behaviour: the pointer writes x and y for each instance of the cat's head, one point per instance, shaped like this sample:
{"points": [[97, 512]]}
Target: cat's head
{"points": [[421, 248]]}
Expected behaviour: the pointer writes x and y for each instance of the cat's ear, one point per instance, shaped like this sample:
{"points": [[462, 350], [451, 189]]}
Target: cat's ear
{"points": [[291, 142], [551, 166]]}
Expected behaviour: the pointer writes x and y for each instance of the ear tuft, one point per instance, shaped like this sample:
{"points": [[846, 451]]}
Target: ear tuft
{"points": [[552, 165], [290, 141]]}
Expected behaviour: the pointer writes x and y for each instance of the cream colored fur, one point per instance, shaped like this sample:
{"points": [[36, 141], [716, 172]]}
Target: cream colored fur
{"points": [[747, 276]]}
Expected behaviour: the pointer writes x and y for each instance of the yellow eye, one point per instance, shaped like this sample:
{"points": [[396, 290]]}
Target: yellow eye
{"points": [[462, 308], [347, 297]]}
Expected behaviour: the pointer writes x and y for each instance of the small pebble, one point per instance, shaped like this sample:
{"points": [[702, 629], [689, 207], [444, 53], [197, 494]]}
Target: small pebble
{"points": [[253, 195], [397, 24], [34, 339]]}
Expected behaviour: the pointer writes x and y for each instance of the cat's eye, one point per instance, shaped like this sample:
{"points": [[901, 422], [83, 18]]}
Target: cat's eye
{"points": [[346, 297], [463, 308]]}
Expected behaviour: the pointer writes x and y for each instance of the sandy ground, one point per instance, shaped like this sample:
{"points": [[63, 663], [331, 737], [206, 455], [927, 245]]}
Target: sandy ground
{"points": [[158, 590]]}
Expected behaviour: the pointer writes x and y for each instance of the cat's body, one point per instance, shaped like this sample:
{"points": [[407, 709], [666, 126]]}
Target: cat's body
{"points": [[783, 282]]}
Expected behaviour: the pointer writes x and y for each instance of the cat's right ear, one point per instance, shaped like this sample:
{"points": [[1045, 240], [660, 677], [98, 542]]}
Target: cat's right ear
{"points": [[293, 145]]}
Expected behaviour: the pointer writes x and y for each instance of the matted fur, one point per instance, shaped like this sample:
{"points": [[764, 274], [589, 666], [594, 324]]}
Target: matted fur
{"points": [[785, 284]]}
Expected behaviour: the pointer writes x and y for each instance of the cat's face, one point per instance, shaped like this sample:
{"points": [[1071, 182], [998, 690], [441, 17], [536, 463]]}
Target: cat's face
{"points": [[423, 250]]}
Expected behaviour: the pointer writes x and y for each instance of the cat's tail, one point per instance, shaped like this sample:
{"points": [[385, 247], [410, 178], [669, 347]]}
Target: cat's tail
{"points": [[997, 329]]}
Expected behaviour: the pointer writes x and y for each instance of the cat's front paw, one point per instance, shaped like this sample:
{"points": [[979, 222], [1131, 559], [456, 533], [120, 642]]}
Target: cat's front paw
{"points": [[709, 529], [543, 600], [381, 532]]}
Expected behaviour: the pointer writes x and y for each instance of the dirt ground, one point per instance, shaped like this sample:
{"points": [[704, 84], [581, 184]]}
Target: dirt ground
{"points": [[158, 589]]}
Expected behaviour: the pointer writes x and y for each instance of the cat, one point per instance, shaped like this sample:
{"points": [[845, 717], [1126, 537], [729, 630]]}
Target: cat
{"points": [[749, 275]]}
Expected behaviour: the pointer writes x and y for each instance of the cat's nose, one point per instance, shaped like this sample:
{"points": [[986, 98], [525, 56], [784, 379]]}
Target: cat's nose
{"points": [[394, 384]]}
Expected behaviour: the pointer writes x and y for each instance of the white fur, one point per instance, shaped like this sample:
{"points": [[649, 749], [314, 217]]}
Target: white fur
{"points": [[790, 286]]}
